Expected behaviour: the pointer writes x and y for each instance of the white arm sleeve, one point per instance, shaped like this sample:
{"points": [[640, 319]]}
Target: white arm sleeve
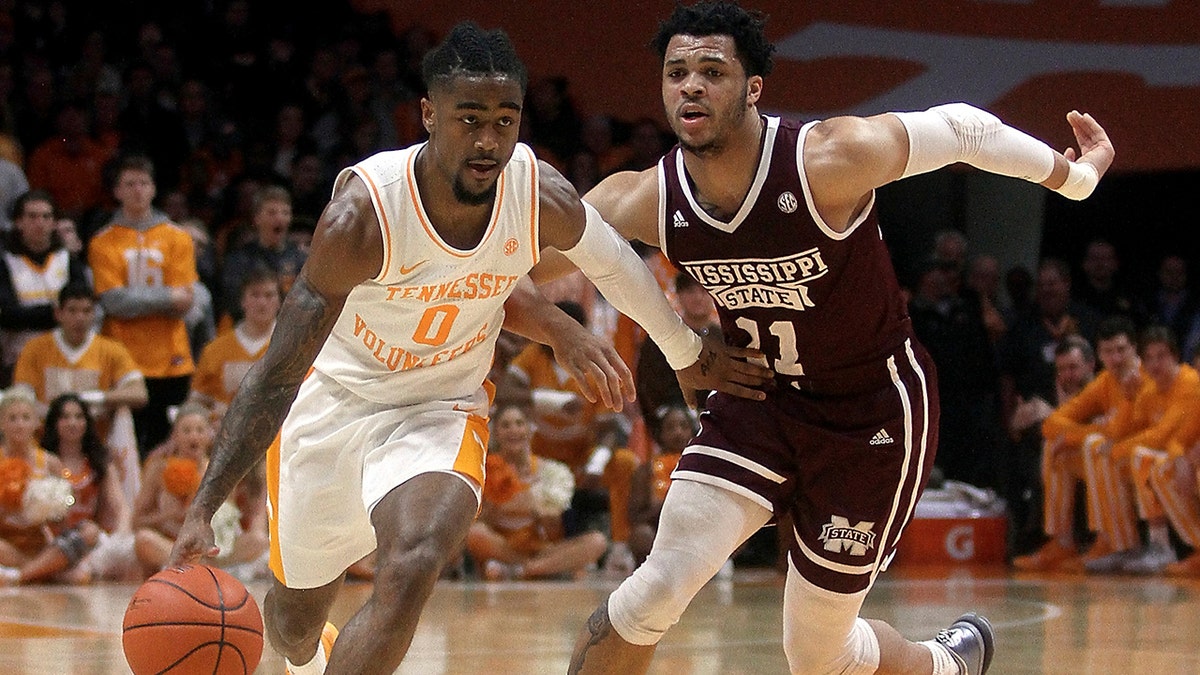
{"points": [[958, 132], [610, 262]]}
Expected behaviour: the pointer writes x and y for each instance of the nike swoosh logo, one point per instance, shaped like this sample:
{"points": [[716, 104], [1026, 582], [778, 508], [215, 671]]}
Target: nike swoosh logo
{"points": [[406, 270], [460, 409]]}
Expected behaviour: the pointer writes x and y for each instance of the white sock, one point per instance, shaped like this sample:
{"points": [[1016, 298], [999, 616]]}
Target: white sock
{"points": [[316, 666], [943, 660]]}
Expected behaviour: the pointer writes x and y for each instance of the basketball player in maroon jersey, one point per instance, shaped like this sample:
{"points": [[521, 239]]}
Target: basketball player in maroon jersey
{"points": [[775, 218]]}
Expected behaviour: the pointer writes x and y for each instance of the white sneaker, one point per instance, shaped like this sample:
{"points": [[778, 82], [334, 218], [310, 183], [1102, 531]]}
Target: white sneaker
{"points": [[1151, 560]]}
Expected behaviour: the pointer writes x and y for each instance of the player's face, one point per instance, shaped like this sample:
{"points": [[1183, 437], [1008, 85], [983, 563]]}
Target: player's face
{"points": [[71, 422], [473, 124], [35, 223], [260, 302], [1160, 362], [705, 91], [1072, 371], [1117, 354]]}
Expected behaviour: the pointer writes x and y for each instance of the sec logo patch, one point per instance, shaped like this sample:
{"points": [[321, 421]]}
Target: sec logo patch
{"points": [[511, 246]]}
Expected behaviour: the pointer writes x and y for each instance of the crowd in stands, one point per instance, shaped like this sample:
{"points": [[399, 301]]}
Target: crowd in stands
{"points": [[159, 191]]}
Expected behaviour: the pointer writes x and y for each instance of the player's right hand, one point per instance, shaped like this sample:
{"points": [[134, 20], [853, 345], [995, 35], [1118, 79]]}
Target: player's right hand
{"points": [[595, 365], [195, 541]]}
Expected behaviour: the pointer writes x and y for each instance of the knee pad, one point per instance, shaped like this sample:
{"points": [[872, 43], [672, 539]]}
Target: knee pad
{"points": [[654, 597], [822, 633]]}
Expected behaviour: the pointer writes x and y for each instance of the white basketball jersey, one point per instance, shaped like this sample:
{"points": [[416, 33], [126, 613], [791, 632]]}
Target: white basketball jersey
{"points": [[426, 327]]}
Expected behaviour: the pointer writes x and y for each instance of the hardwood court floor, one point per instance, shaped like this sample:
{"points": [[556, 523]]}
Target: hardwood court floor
{"points": [[1044, 624]]}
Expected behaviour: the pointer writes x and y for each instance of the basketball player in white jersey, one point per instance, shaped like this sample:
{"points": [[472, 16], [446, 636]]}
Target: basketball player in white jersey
{"points": [[384, 342]]}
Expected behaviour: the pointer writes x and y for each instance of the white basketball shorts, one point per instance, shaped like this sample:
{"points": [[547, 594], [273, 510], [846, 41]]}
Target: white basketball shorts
{"points": [[337, 455]]}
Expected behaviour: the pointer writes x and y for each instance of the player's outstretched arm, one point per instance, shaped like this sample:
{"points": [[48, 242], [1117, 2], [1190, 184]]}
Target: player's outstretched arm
{"points": [[582, 235], [347, 249], [847, 157], [593, 362]]}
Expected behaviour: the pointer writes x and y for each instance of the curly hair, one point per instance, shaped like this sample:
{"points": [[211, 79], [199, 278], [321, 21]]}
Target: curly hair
{"points": [[720, 17], [470, 50]]}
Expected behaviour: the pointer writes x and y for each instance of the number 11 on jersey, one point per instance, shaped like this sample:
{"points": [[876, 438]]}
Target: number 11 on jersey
{"points": [[788, 362]]}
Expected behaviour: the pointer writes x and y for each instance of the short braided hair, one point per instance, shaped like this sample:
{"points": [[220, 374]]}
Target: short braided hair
{"points": [[469, 50]]}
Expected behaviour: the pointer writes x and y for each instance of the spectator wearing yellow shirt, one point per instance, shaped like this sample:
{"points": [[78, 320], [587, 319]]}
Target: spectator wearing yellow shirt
{"points": [[225, 360]]}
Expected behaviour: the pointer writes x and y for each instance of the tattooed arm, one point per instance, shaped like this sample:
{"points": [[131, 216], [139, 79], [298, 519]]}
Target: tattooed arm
{"points": [[347, 249]]}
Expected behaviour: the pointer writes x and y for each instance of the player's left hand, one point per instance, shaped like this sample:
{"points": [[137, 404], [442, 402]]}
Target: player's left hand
{"points": [[1094, 146], [732, 370], [597, 367]]}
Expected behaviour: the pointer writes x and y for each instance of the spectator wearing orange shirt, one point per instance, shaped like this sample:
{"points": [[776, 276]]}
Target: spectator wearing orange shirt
{"points": [[145, 269]]}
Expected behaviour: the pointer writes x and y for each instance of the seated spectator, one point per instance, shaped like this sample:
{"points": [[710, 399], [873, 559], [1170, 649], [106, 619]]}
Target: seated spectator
{"points": [[1097, 416], [519, 533], [22, 462], [35, 268], [74, 358], [170, 478], [225, 361], [673, 427], [1176, 481], [93, 541], [1159, 411], [271, 248], [1034, 475]]}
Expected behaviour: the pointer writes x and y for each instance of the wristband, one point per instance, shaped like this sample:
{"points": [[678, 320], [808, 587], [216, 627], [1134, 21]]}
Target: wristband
{"points": [[1082, 179]]}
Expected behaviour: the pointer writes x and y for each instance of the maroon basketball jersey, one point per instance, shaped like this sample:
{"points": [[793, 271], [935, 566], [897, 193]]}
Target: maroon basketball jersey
{"points": [[819, 304]]}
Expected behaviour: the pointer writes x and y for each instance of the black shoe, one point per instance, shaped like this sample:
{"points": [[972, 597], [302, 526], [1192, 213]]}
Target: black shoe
{"points": [[971, 640]]}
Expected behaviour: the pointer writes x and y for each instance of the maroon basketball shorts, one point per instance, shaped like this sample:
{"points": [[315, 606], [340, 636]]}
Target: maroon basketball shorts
{"points": [[845, 460]]}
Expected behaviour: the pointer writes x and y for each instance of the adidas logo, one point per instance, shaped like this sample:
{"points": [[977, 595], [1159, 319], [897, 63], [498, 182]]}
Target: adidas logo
{"points": [[679, 221], [881, 438]]}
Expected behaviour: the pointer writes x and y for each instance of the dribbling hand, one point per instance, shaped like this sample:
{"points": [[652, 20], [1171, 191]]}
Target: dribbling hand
{"points": [[195, 541]]}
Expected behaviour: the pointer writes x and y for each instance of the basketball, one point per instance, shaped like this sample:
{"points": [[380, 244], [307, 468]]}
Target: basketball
{"points": [[193, 619]]}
